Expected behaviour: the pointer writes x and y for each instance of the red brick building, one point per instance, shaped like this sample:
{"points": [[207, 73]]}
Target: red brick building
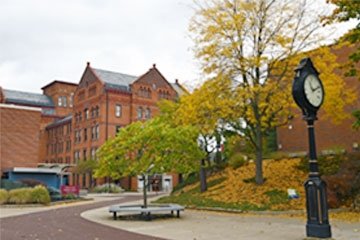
{"points": [[329, 136], [76, 119]]}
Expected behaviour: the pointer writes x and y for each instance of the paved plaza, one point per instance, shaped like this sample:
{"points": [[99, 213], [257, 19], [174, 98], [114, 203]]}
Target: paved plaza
{"points": [[91, 220]]}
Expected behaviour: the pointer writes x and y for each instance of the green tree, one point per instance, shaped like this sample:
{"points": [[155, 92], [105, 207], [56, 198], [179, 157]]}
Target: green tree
{"points": [[344, 11], [252, 47], [147, 148], [86, 167]]}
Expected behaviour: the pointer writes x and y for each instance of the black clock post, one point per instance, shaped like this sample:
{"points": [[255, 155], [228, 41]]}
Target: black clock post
{"points": [[308, 94]]}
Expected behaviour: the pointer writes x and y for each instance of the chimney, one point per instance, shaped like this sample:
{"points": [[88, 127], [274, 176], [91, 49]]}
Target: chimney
{"points": [[87, 64], [176, 81], [154, 65]]}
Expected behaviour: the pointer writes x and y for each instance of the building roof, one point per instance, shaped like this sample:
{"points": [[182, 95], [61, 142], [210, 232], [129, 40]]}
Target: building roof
{"points": [[60, 121], [114, 79], [179, 89], [27, 98], [59, 81]]}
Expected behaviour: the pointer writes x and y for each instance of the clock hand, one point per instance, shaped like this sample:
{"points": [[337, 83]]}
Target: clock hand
{"points": [[311, 86]]}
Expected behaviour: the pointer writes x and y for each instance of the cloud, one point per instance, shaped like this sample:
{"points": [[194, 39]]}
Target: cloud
{"points": [[45, 40]]}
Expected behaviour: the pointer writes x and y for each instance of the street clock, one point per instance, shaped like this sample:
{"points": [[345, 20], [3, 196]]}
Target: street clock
{"points": [[307, 90]]}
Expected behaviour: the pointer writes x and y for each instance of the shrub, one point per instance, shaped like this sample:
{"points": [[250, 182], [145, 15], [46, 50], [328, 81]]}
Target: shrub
{"points": [[328, 165], [39, 194], [20, 196], [107, 188], [69, 196], [345, 184], [3, 196], [237, 160]]}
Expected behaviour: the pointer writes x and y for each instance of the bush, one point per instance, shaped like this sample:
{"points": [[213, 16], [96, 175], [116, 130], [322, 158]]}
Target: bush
{"points": [[345, 184], [107, 188], [20, 196], [3, 196], [237, 160], [69, 196], [39, 194], [328, 165]]}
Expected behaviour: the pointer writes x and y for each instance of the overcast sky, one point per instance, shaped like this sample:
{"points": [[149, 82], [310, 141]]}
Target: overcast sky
{"points": [[46, 40]]}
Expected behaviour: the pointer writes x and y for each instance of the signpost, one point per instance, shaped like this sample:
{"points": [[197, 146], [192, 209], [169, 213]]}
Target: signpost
{"points": [[308, 93]]}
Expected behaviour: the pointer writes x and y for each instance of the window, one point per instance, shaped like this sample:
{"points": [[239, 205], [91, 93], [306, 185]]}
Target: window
{"points": [[147, 113], [93, 133], [86, 113], [71, 99], [97, 131], [84, 153], [118, 110], [97, 111], [164, 94], [93, 153], [144, 92], [68, 145], [62, 101], [76, 156], [117, 129], [85, 134], [139, 113]]}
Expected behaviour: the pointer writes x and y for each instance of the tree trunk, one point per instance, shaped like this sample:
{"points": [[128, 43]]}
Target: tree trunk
{"points": [[203, 184], [259, 155]]}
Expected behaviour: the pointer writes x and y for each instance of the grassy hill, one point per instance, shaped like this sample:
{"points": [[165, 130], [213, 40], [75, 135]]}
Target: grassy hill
{"points": [[236, 188]]}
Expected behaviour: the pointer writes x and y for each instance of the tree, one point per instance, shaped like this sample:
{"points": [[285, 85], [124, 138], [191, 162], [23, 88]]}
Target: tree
{"points": [[200, 110], [252, 47], [346, 10], [147, 148], [86, 167]]}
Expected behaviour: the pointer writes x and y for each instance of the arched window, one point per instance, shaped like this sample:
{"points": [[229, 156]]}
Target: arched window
{"points": [[139, 113], [147, 113]]}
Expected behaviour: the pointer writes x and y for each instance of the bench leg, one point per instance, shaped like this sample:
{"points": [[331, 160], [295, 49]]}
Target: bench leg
{"points": [[172, 212], [114, 215], [177, 213], [148, 216]]}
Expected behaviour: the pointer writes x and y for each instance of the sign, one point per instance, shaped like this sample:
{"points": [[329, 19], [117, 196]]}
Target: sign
{"points": [[69, 189]]}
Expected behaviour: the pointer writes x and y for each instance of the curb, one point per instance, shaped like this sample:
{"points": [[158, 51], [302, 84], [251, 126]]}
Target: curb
{"points": [[272, 213]]}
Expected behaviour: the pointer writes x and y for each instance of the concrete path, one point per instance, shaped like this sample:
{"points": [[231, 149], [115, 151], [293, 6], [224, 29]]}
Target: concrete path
{"points": [[201, 225], [60, 223]]}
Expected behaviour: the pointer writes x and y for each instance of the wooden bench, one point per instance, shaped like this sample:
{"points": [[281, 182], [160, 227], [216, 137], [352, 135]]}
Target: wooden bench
{"points": [[146, 211]]}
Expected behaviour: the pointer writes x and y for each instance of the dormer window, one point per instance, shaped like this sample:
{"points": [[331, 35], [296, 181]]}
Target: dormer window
{"points": [[62, 101]]}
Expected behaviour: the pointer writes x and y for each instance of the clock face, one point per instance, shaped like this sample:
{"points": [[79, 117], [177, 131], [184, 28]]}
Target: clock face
{"points": [[314, 92]]}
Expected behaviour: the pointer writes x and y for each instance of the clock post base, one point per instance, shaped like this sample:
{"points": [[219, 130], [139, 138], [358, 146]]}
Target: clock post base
{"points": [[318, 231]]}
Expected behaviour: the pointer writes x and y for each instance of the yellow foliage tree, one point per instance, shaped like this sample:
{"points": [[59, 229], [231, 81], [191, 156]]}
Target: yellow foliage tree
{"points": [[251, 49]]}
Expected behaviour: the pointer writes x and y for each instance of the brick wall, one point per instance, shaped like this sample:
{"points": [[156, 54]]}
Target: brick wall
{"points": [[19, 136]]}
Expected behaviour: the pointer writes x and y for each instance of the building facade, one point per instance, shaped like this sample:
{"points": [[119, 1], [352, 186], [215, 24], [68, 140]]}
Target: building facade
{"points": [[76, 119]]}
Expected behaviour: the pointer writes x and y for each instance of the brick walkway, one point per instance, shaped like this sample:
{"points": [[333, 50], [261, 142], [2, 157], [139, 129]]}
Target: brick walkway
{"points": [[64, 224]]}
